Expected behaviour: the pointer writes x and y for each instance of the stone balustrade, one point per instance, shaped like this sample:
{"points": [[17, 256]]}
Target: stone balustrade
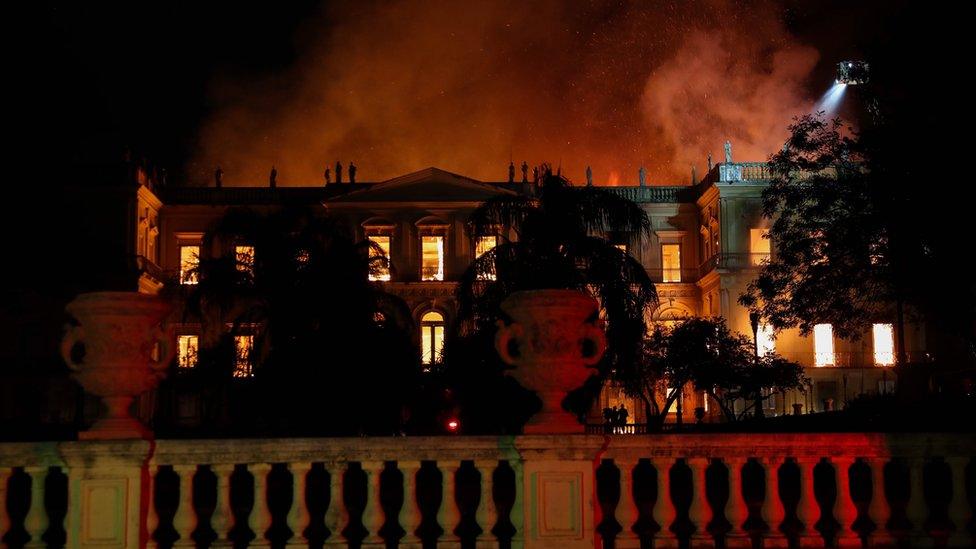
{"points": [[811, 490]]}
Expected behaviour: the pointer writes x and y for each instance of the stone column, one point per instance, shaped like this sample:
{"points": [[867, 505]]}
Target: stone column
{"points": [[36, 521], [773, 512], [664, 511], [373, 512], [410, 511], [916, 509], [959, 511], [260, 518], [699, 512], [845, 512], [626, 511], [223, 515], [807, 510], [4, 516], [517, 514], [736, 509], [336, 516], [152, 515], [878, 510], [448, 515], [298, 517], [487, 514], [185, 519]]}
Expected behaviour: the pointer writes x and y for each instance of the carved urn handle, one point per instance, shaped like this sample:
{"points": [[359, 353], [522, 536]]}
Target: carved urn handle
{"points": [[599, 339], [164, 338], [504, 336], [72, 335]]}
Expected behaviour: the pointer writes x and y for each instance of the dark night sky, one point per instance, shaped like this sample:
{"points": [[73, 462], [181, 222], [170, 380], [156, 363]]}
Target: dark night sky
{"points": [[144, 74]]}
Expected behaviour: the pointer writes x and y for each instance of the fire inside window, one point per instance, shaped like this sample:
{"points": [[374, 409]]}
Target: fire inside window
{"points": [[483, 245], [759, 246], [671, 262], [432, 258], [380, 272], [766, 339], [245, 259], [884, 344], [431, 338], [823, 345], [852, 72], [189, 261], [187, 346], [243, 356]]}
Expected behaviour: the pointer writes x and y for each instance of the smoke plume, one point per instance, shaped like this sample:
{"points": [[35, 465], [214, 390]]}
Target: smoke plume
{"points": [[469, 86]]}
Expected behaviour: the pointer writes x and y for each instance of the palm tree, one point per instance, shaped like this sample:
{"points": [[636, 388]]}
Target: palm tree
{"points": [[325, 358], [561, 242]]}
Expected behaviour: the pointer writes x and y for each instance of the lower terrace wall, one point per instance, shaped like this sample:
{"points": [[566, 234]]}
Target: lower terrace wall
{"points": [[572, 491]]}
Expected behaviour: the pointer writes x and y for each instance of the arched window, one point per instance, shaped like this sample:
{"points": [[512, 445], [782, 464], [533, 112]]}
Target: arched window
{"points": [[431, 338]]}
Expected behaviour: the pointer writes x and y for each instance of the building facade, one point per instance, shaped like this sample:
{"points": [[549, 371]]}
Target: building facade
{"points": [[707, 242]]}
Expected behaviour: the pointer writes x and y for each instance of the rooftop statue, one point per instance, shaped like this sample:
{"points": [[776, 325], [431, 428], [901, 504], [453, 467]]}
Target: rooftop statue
{"points": [[352, 172], [328, 175], [525, 172], [511, 172], [710, 162], [218, 177], [589, 176], [273, 178], [728, 152], [642, 176], [338, 172]]}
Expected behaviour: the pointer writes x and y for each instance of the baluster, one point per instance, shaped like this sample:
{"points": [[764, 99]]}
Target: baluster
{"points": [[845, 512], [4, 516], [448, 515], [517, 514], [373, 512], [917, 509], [487, 514], [36, 521], [336, 516], [773, 512], [626, 511], [185, 519], [409, 511], [664, 511], [736, 509], [699, 513], [298, 517], [152, 515], [807, 508], [878, 510], [260, 518], [959, 512], [223, 515]]}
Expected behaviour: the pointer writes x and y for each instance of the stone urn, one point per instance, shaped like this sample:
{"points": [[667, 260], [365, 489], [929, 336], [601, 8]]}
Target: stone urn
{"points": [[556, 346], [125, 353]]}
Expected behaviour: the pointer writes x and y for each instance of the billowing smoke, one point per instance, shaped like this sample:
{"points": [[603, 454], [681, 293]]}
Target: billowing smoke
{"points": [[467, 86]]}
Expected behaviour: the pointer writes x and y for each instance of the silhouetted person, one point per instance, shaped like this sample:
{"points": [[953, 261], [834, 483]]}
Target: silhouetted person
{"points": [[328, 176], [352, 172], [622, 415], [218, 177], [511, 172], [273, 178], [338, 172], [525, 172]]}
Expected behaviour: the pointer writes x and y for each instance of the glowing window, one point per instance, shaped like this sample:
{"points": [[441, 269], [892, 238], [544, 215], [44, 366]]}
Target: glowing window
{"points": [[186, 351], [243, 356], [482, 245], [671, 262], [431, 338], [621, 247], [884, 344], [245, 258], [759, 246], [432, 257], [380, 270], [823, 345], [189, 261], [673, 409], [765, 336]]}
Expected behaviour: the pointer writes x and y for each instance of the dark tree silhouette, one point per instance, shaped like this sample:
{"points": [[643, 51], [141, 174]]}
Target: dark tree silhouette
{"points": [[561, 241], [326, 357], [715, 360]]}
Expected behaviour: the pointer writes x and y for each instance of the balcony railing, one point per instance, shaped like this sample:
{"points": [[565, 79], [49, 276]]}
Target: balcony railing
{"points": [[528, 491], [853, 359], [729, 261]]}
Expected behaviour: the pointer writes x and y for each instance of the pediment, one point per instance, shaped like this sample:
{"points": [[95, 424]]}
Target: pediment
{"points": [[429, 185]]}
